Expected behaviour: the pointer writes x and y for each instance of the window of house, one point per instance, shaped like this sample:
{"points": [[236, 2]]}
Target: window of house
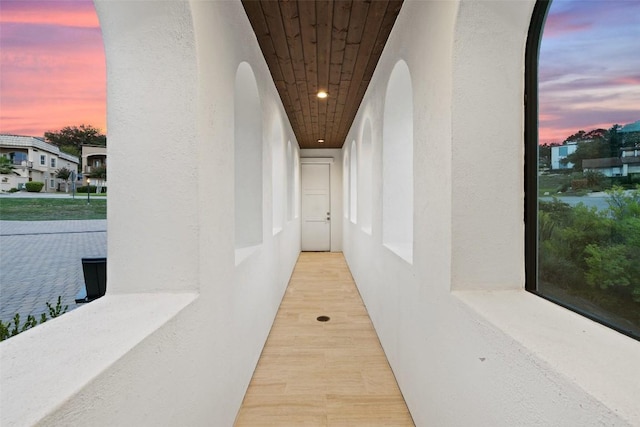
{"points": [[43, 159], [583, 219], [53, 162], [18, 157]]}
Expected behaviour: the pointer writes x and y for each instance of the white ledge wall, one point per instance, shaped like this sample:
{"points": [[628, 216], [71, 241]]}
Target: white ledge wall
{"points": [[457, 326], [187, 360]]}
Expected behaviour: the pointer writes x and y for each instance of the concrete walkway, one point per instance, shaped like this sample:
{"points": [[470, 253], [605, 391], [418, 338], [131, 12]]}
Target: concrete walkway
{"points": [[41, 260]]}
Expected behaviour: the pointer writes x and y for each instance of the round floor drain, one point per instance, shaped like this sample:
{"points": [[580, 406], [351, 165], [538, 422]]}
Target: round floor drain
{"points": [[323, 318]]}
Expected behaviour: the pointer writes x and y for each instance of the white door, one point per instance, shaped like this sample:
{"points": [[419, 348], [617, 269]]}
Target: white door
{"points": [[316, 207]]}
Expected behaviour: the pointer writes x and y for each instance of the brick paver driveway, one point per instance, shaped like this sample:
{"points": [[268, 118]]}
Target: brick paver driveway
{"points": [[41, 260]]}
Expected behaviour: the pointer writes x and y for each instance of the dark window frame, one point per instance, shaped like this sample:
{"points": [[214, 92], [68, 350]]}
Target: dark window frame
{"points": [[532, 52]]}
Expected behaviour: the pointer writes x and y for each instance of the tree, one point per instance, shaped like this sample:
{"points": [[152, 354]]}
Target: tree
{"points": [[614, 138], [595, 144], [544, 156], [70, 139], [99, 172], [6, 166], [71, 149], [587, 150], [64, 174], [100, 175]]}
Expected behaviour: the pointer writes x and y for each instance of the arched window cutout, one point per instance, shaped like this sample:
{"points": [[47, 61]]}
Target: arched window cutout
{"points": [[397, 164], [247, 162], [365, 179], [277, 176], [345, 183], [296, 188], [583, 259], [290, 182], [353, 184]]}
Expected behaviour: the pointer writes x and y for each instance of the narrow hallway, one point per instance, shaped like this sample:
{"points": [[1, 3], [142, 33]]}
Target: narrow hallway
{"points": [[331, 373]]}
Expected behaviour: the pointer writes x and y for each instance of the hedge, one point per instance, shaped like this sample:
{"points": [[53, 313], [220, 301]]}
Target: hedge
{"points": [[34, 186]]}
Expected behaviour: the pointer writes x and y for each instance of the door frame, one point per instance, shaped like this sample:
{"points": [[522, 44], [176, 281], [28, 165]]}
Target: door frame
{"points": [[321, 160]]}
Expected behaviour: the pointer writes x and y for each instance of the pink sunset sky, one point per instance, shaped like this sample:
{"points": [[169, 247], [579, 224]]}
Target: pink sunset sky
{"points": [[589, 67], [52, 66]]}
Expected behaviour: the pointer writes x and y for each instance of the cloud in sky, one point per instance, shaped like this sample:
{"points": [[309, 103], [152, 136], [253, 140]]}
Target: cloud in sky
{"points": [[589, 67], [52, 66]]}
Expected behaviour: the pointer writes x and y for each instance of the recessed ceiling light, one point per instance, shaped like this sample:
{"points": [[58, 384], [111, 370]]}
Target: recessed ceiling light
{"points": [[321, 141], [322, 94]]}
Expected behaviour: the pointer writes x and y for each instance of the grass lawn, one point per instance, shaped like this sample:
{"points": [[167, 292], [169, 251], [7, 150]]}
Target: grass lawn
{"points": [[552, 183], [14, 209]]}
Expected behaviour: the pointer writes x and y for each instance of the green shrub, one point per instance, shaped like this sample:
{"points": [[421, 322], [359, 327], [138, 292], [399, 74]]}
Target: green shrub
{"points": [[34, 186], [85, 189], [15, 326], [14, 190], [93, 188]]}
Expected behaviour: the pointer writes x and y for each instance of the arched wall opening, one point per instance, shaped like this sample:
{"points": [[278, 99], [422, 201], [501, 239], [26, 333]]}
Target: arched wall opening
{"points": [[345, 184], [291, 184], [353, 183], [365, 183], [296, 183], [397, 163], [247, 159], [277, 176]]}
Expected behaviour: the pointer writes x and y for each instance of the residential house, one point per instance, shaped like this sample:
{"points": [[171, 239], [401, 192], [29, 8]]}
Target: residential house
{"points": [[34, 160], [561, 152], [94, 157], [628, 163]]}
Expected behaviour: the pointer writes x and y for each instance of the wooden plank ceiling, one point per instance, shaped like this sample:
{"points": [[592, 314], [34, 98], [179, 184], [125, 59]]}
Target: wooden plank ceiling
{"points": [[324, 45]]}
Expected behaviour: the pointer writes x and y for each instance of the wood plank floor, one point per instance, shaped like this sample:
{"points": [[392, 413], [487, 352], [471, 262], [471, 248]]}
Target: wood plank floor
{"points": [[315, 373]]}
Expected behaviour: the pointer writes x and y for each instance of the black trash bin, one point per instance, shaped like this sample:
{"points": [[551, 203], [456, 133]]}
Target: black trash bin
{"points": [[95, 277]]}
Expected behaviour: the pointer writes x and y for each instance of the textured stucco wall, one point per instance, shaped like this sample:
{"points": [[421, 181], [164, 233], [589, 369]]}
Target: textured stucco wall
{"points": [[186, 360], [467, 344]]}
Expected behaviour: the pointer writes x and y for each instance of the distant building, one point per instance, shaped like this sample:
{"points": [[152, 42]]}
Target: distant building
{"points": [[34, 160], [94, 157], [628, 163], [560, 152]]}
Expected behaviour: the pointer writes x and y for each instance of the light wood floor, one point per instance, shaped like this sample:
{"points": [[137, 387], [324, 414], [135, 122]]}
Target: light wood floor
{"points": [[323, 374]]}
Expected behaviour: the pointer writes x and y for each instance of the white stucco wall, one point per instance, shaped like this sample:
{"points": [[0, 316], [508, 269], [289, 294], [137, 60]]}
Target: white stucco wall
{"points": [[467, 344], [177, 337]]}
